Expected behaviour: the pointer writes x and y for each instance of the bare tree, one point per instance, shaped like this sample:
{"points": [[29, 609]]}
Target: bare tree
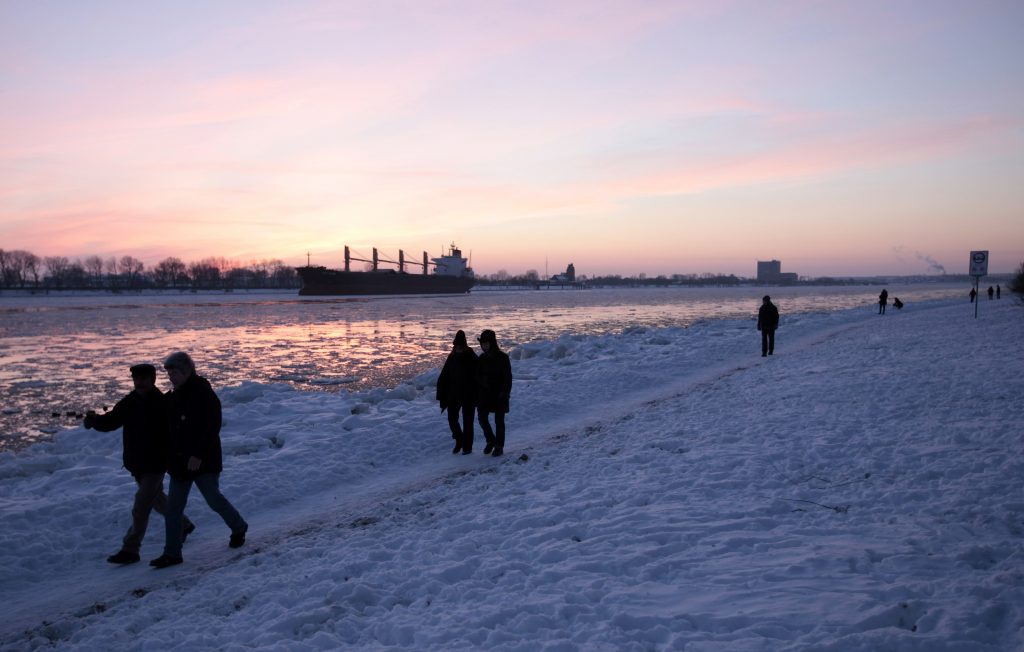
{"points": [[284, 276], [204, 273], [94, 268], [131, 267], [113, 272], [4, 262], [74, 275], [56, 269], [17, 266], [237, 277], [260, 273], [33, 265], [170, 271]]}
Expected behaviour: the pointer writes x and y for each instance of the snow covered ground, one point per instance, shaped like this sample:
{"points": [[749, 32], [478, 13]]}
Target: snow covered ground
{"points": [[863, 489]]}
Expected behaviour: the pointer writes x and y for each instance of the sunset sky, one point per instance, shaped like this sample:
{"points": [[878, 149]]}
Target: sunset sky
{"points": [[842, 138]]}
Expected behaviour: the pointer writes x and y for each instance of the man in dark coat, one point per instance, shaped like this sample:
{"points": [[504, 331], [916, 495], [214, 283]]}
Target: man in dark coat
{"points": [[142, 417], [494, 380], [194, 455], [456, 391], [767, 322], [883, 300]]}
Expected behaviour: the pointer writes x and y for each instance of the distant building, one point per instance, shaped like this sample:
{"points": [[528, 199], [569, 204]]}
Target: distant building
{"points": [[569, 276], [770, 271]]}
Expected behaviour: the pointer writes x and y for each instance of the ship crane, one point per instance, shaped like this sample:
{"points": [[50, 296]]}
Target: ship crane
{"points": [[378, 259]]}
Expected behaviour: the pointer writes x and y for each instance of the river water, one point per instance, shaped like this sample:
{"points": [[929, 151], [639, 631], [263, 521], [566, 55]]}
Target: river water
{"points": [[62, 355]]}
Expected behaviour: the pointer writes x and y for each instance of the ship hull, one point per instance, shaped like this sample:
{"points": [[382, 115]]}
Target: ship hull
{"points": [[320, 281]]}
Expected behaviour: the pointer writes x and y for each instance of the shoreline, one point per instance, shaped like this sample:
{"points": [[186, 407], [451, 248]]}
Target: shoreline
{"points": [[300, 344]]}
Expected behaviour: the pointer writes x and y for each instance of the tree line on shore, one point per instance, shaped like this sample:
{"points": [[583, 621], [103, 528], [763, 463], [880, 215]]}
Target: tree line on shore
{"points": [[532, 278], [20, 269]]}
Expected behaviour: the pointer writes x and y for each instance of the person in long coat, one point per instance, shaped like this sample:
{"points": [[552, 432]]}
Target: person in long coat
{"points": [[494, 379], [456, 392], [141, 415], [767, 322], [194, 455], [883, 300]]}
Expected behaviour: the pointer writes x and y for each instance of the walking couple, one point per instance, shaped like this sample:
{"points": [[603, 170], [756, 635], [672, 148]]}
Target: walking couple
{"points": [[470, 383], [176, 433]]}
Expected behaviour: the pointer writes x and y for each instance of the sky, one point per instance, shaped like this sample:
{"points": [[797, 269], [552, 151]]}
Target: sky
{"points": [[841, 138]]}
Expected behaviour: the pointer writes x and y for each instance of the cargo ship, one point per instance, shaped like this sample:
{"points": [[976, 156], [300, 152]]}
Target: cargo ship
{"points": [[450, 275]]}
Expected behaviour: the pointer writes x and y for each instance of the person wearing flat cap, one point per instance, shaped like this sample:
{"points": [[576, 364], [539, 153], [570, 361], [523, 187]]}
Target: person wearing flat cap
{"points": [[194, 456], [494, 386], [456, 391], [141, 415]]}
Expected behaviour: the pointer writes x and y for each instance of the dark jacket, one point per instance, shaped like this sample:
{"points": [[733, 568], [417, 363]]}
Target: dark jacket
{"points": [[883, 297], [767, 317], [456, 386], [494, 380], [193, 411], [144, 438]]}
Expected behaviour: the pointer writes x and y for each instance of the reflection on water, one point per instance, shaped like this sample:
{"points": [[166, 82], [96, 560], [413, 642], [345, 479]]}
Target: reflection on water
{"points": [[62, 355]]}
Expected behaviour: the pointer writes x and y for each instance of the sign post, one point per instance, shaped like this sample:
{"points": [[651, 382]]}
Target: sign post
{"points": [[979, 268]]}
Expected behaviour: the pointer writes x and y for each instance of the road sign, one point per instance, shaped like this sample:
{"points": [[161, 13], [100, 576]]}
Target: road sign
{"points": [[979, 263]]}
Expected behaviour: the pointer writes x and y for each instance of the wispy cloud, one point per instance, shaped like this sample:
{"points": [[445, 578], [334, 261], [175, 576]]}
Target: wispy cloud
{"points": [[268, 127]]}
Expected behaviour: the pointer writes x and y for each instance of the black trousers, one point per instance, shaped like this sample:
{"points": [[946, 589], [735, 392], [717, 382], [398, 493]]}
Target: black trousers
{"points": [[463, 435], [767, 341], [495, 437]]}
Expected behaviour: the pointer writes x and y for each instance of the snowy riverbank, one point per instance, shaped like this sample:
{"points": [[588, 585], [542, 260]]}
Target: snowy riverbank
{"points": [[662, 489]]}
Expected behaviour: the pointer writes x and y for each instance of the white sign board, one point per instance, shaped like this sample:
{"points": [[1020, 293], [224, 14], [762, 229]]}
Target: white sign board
{"points": [[979, 263]]}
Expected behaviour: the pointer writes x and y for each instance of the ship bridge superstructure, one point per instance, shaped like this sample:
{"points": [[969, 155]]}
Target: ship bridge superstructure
{"points": [[453, 264]]}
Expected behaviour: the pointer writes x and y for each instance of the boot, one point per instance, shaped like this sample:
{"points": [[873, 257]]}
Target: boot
{"points": [[237, 539], [163, 561], [123, 557]]}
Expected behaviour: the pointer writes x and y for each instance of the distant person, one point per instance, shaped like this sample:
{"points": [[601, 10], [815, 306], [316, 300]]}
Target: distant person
{"points": [[991, 291], [973, 295], [456, 391], [494, 381], [883, 299], [767, 322], [897, 304], [999, 292], [194, 455], [141, 416]]}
